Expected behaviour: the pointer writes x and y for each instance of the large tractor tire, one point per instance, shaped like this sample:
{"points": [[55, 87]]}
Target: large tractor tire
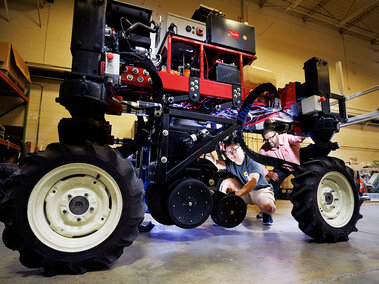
{"points": [[6, 170], [326, 200], [72, 209]]}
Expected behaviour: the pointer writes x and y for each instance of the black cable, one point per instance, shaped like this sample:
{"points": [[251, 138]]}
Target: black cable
{"points": [[242, 116]]}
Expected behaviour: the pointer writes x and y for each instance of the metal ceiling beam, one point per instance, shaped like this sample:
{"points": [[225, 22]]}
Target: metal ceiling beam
{"points": [[366, 14], [357, 13], [290, 7], [293, 5], [350, 7], [315, 8], [373, 37], [262, 3]]}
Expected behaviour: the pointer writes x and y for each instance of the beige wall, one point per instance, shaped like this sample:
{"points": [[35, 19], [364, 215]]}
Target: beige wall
{"points": [[45, 44], [43, 110], [44, 122], [283, 44]]}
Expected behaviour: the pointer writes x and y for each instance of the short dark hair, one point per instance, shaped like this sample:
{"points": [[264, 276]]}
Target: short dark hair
{"points": [[267, 131], [231, 140]]}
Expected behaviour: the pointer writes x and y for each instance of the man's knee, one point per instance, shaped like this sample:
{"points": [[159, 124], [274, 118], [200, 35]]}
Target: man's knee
{"points": [[228, 183], [268, 206]]}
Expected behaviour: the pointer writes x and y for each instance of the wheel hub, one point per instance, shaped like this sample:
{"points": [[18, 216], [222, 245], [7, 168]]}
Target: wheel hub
{"points": [[329, 198], [335, 199], [79, 205], [70, 211]]}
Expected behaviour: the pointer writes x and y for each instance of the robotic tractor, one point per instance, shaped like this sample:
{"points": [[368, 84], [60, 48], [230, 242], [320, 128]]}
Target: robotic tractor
{"points": [[75, 206]]}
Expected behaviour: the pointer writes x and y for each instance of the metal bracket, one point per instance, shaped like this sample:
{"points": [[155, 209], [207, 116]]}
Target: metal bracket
{"points": [[194, 89], [175, 99], [224, 105], [236, 95]]}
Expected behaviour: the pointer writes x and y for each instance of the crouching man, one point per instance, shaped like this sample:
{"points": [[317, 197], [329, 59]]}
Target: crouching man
{"points": [[248, 180]]}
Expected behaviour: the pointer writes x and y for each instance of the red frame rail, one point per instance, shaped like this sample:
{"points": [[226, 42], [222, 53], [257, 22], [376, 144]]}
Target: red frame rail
{"points": [[9, 144], [208, 88]]}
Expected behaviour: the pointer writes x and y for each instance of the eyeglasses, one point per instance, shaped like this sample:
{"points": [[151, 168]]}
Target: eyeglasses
{"points": [[233, 151], [268, 139]]}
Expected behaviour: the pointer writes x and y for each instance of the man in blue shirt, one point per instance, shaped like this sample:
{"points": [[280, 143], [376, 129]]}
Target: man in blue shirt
{"points": [[248, 182]]}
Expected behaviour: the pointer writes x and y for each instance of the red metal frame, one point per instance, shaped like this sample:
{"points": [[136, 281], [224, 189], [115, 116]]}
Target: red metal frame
{"points": [[288, 95], [175, 83], [133, 78], [208, 88]]}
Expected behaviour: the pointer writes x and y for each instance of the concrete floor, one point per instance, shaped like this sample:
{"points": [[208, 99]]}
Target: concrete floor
{"points": [[249, 253]]}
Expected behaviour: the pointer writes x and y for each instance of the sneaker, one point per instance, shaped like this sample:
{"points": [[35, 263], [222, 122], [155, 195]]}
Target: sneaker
{"points": [[267, 219], [260, 216]]}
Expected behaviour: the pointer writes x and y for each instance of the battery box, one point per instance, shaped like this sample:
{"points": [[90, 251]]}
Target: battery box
{"points": [[227, 73]]}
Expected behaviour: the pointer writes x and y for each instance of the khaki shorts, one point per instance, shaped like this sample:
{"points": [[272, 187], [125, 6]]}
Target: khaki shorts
{"points": [[253, 196]]}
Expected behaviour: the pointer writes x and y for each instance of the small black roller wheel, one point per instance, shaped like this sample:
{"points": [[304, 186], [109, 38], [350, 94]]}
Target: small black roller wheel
{"points": [[189, 203], [228, 210], [326, 200], [156, 200], [72, 209]]}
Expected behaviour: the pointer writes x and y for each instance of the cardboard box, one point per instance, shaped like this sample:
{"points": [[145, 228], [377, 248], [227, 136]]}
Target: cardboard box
{"points": [[13, 66]]}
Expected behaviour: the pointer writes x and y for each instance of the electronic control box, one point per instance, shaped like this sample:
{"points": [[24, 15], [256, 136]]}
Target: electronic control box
{"points": [[181, 26], [230, 34]]}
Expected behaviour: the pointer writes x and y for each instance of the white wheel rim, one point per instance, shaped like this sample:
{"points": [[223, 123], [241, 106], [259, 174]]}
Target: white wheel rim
{"points": [[74, 207], [335, 199]]}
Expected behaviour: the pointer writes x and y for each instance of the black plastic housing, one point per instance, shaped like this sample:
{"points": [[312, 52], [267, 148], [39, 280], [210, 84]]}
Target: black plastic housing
{"points": [[230, 34]]}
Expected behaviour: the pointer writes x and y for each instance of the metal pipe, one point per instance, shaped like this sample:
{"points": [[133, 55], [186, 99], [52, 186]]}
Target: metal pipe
{"points": [[241, 70], [168, 63], [39, 14], [6, 9], [339, 74], [242, 11], [362, 118], [356, 95], [26, 116], [39, 115], [202, 62]]}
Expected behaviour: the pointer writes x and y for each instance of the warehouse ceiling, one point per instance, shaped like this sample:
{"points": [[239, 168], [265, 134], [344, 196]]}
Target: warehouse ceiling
{"points": [[359, 18]]}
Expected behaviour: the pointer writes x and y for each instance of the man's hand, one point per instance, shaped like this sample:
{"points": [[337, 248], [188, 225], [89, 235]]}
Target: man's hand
{"points": [[221, 165], [274, 176], [209, 156], [230, 190]]}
